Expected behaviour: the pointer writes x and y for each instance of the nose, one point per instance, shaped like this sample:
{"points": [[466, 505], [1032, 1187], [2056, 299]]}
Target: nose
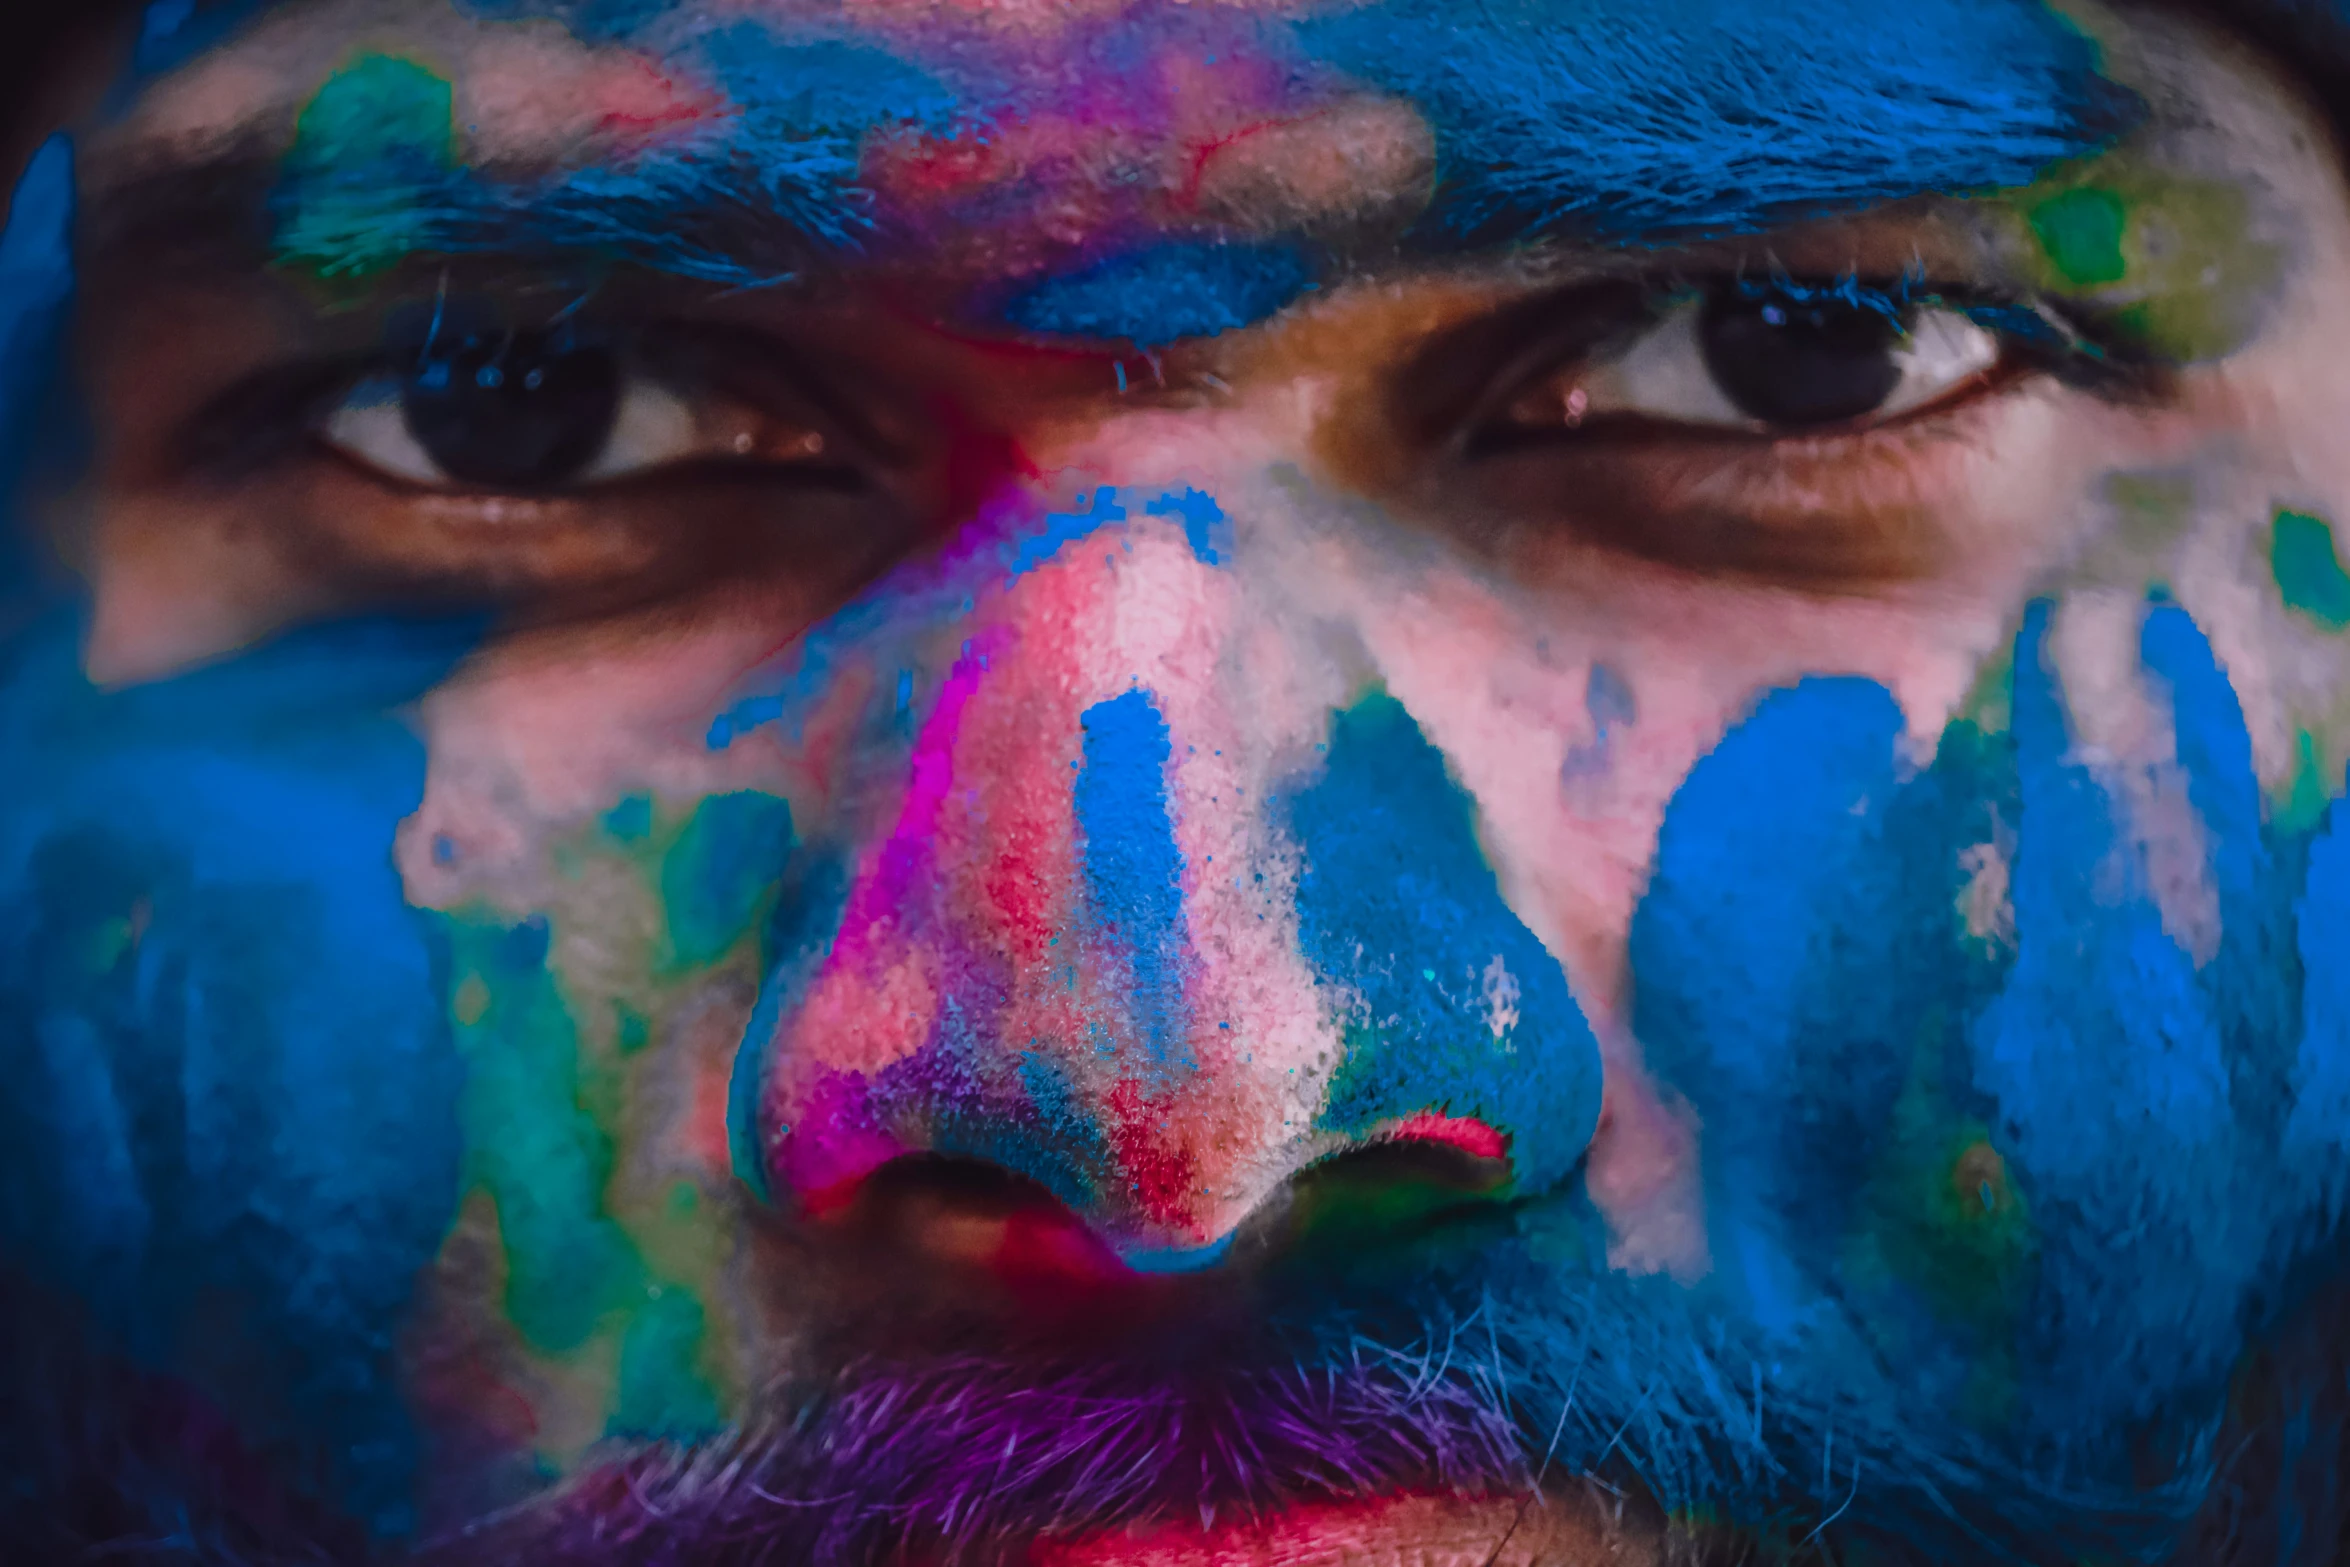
{"points": [[1168, 902]]}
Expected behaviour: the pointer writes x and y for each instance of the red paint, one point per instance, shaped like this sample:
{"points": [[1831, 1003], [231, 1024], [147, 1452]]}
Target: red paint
{"points": [[1469, 1135], [1163, 1172], [639, 99]]}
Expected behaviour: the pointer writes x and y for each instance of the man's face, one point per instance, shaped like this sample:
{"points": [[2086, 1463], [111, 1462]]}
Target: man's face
{"points": [[1194, 782]]}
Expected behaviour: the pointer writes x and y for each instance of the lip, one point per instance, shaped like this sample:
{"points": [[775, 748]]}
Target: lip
{"points": [[1401, 1531]]}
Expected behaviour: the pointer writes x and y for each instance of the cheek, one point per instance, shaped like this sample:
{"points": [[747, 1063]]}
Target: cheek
{"points": [[1575, 724]]}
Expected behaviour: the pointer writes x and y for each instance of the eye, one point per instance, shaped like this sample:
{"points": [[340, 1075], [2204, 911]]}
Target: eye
{"points": [[1771, 362], [541, 411]]}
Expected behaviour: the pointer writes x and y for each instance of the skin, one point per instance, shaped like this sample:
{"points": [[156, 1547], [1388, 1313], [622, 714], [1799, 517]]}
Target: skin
{"points": [[649, 1243]]}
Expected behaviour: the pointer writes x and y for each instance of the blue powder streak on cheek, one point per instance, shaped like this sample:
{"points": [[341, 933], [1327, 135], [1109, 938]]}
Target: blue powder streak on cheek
{"points": [[2113, 1097], [237, 1138], [2253, 981], [1133, 869], [1616, 118], [1779, 973], [1403, 922], [1166, 292], [2317, 1136]]}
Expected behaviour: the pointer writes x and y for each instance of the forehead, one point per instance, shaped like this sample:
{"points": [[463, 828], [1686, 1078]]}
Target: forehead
{"points": [[1191, 158]]}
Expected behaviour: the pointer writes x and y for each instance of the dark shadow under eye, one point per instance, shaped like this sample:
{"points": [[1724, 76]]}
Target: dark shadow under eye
{"points": [[1799, 364], [517, 411]]}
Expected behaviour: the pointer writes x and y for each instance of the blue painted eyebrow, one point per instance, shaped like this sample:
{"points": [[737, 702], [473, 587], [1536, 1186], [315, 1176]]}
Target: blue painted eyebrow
{"points": [[1615, 120], [1621, 118]]}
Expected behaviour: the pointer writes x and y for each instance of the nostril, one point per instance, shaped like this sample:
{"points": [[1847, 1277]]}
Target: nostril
{"points": [[970, 1212], [1404, 1188]]}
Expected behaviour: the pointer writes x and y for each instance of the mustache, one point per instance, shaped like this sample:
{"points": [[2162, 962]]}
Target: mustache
{"points": [[1522, 1381]]}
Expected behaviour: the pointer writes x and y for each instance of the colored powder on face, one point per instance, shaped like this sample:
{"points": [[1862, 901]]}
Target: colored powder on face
{"points": [[1133, 869], [2081, 233], [379, 109], [1786, 955], [2306, 794], [542, 1158], [662, 1394], [723, 866], [1614, 118], [1449, 1004], [1170, 291], [2105, 1057], [231, 1109], [1032, 550], [1608, 703], [1205, 528], [379, 125], [631, 821], [2308, 570], [36, 284]]}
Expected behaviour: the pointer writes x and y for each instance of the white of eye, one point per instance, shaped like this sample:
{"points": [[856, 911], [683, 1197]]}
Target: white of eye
{"points": [[651, 427], [1663, 373]]}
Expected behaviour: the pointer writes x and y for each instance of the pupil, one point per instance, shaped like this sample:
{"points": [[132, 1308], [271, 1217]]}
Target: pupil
{"points": [[1796, 364], [512, 412]]}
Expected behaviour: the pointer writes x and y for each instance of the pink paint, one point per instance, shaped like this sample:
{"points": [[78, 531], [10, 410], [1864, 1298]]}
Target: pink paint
{"points": [[836, 1143], [1471, 1136]]}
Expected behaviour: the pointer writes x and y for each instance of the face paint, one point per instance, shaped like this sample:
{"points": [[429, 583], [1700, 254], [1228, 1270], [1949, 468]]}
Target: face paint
{"points": [[1205, 996]]}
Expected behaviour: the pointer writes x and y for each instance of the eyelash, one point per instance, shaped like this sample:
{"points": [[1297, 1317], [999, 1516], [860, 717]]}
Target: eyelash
{"points": [[2036, 335]]}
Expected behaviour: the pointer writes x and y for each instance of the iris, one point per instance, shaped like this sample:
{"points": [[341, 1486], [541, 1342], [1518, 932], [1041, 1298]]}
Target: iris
{"points": [[518, 411]]}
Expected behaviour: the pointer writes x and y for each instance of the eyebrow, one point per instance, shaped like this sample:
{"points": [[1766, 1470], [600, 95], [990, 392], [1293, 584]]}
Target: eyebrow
{"points": [[1613, 122], [728, 222], [1619, 120]]}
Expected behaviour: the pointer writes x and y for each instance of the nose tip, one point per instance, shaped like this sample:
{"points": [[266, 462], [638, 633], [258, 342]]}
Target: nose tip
{"points": [[1139, 934]]}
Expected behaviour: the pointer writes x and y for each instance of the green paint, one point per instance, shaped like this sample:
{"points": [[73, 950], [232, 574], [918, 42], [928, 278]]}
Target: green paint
{"points": [[631, 821], [2173, 259], [2307, 795], [2080, 232], [662, 1394], [631, 1033], [721, 871], [380, 108], [378, 130], [532, 1142], [2308, 571]]}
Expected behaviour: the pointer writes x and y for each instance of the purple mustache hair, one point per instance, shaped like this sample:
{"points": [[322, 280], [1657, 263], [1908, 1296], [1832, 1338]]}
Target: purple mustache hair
{"points": [[966, 1459]]}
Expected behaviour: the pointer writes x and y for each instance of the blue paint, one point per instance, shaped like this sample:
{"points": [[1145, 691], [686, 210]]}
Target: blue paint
{"points": [[1402, 921], [805, 104], [1777, 966], [2317, 1136], [1166, 292], [2106, 1066], [729, 857], [236, 1105], [1616, 118], [631, 821], [1608, 703], [1177, 1259], [1205, 527], [1133, 869], [36, 290], [1028, 551]]}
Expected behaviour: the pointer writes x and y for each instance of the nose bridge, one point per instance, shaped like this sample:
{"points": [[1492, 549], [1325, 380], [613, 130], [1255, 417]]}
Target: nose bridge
{"points": [[1152, 929], [1046, 961]]}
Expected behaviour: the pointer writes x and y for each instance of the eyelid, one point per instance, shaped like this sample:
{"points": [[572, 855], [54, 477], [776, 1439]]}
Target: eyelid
{"points": [[656, 425], [1456, 394]]}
